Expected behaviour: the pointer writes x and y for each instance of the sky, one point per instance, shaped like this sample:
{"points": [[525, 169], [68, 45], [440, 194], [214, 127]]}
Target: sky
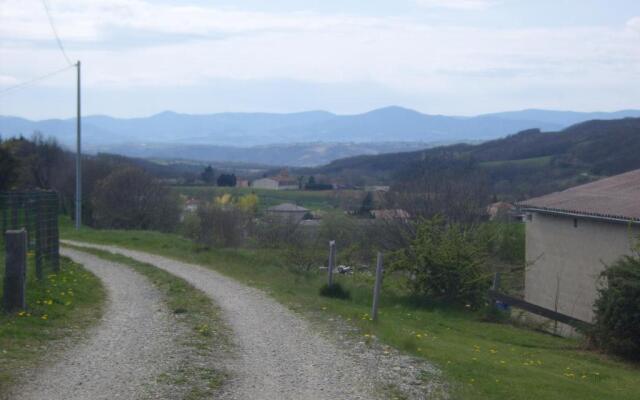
{"points": [[453, 57]]}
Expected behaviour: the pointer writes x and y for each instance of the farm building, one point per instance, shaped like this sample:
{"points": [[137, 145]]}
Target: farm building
{"points": [[572, 235], [288, 212], [280, 182]]}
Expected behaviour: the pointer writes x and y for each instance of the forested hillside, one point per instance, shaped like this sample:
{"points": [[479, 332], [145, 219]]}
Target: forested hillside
{"points": [[521, 165]]}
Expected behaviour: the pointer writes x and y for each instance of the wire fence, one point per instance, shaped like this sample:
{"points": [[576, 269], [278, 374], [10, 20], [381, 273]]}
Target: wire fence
{"points": [[37, 213]]}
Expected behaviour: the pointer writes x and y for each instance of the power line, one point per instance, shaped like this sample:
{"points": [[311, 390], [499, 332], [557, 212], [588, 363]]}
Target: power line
{"points": [[55, 32], [30, 81]]}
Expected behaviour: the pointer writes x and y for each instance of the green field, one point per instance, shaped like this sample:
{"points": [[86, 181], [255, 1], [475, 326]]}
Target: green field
{"points": [[313, 200], [59, 307], [531, 162], [480, 360]]}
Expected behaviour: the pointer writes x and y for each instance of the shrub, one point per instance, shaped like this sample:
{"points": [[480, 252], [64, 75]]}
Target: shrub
{"points": [[129, 198], [335, 291], [617, 309], [224, 226], [446, 263]]}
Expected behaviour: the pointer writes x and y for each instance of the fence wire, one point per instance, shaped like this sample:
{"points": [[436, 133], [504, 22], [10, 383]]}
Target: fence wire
{"points": [[37, 213]]}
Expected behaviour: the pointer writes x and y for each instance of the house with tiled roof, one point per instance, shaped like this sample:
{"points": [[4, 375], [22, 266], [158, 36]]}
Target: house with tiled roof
{"points": [[572, 235]]}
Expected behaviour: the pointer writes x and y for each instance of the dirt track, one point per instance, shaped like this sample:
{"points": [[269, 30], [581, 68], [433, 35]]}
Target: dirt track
{"points": [[122, 355], [279, 356]]}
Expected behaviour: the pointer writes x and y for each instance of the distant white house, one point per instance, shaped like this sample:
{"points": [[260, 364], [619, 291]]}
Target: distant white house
{"points": [[572, 235], [288, 212], [280, 182], [265, 183], [377, 188]]}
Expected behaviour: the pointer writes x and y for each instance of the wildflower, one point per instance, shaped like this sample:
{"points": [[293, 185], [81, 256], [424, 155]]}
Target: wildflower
{"points": [[45, 316]]}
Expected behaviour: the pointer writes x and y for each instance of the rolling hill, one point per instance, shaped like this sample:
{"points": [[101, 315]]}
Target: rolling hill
{"points": [[528, 163]]}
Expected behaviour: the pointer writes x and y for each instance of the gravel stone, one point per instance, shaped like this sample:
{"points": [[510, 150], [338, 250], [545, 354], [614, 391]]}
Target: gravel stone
{"points": [[122, 355], [278, 354]]}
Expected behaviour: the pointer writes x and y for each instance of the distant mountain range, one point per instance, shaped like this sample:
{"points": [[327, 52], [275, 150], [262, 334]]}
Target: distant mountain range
{"points": [[173, 135]]}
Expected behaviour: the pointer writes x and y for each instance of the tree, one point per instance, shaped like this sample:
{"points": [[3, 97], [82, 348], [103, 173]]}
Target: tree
{"points": [[367, 205], [249, 203], [129, 198], [8, 169], [227, 180], [447, 263], [617, 309], [208, 175]]}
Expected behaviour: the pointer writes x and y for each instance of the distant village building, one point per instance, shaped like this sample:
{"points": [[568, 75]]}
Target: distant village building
{"points": [[242, 183], [280, 182], [389, 215], [377, 188], [572, 235], [288, 212], [191, 205]]}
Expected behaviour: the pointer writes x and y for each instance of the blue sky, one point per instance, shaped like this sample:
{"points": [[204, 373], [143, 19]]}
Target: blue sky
{"points": [[457, 57]]}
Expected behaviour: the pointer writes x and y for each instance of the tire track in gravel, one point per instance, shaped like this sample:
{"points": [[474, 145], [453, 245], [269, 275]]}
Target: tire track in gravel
{"points": [[124, 352], [279, 356]]}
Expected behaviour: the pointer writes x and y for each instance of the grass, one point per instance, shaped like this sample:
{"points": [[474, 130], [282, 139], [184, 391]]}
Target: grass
{"points": [[481, 360], [59, 307], [206, 330], [313, 200], [531, 162]]}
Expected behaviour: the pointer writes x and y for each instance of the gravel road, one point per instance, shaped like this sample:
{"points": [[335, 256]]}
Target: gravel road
{"points": [[124, 353], [279, 355]]}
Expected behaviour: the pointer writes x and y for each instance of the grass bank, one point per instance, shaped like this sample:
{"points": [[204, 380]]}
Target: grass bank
{"points": [[481, 360], [199, 375], [59, 307]]}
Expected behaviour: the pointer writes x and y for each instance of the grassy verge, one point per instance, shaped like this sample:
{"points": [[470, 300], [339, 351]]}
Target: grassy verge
{"points": [[59, 307], [481, 360], [196, 377]]}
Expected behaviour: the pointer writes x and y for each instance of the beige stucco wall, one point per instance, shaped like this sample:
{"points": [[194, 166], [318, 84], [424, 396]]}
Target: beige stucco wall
{"points": [[265, 183], [567, 260]]}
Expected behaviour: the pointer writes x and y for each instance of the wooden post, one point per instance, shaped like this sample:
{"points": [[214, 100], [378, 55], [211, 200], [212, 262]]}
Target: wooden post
{"points": [[376, 288], [332, 260], [15, 270]]}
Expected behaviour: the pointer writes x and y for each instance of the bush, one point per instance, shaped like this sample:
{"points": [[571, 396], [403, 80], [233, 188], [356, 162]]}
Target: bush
{"points": [[129, 198], [335, 291], [447, 263], [224, 226], [617, 309]]}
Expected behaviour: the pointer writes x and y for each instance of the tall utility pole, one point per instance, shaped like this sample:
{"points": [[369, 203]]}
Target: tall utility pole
{"points": [[78, 159]]}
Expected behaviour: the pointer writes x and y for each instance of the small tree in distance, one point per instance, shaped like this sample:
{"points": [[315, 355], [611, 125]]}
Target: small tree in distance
{"points": [[208, 176], [228, 180]]}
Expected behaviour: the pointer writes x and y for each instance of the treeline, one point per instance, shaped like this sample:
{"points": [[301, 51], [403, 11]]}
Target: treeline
{"points": [[117, 192]]}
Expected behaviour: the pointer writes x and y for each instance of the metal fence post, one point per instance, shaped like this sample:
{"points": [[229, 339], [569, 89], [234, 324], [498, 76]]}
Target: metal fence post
{"points": [[15, 270], [376, 288], [332, 260]]}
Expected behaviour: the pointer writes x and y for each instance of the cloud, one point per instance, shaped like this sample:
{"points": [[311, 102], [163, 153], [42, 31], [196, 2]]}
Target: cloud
{"points": [[634, 24], [457, 4], [139, 45]]}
